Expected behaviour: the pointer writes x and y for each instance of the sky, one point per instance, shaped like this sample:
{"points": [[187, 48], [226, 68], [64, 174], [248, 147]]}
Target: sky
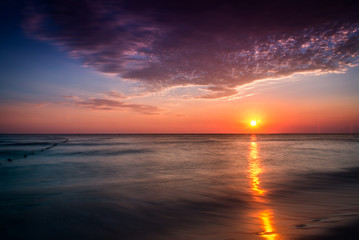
{"points": [[137, 66]]}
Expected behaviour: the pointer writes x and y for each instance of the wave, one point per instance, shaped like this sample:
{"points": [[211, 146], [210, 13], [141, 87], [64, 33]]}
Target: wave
{"points": [[9, 153], [118, 217], [309, 137], [90, 144], [104, 152], [26, 144], [320, 181], [21, 150], [350, 231]]}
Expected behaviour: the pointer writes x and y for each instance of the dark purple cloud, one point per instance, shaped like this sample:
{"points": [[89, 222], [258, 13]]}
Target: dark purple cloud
{"points": [[220, 44]]}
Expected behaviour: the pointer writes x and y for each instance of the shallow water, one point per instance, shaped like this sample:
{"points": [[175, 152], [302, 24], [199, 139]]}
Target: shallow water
{"points": [[274, 187]]}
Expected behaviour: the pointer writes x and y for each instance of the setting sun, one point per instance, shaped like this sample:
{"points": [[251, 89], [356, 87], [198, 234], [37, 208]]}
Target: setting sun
{"points": [[253, 123]]}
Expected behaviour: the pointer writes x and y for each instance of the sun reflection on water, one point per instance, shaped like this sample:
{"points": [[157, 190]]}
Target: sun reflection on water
{"points": [[268, 233], [255, 168]]}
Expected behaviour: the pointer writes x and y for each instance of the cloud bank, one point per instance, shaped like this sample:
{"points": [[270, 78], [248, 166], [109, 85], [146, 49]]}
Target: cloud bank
{"points": [[219, 44]]}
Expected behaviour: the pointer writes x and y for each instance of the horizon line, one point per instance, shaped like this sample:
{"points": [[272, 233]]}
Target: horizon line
{"points": [[178, 133]]}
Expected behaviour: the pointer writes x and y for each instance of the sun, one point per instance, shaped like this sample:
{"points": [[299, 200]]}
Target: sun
{"points": [[253, 123]]}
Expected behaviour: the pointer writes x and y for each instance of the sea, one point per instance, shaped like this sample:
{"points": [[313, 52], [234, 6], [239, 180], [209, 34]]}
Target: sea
{"points": [[179, 187]]}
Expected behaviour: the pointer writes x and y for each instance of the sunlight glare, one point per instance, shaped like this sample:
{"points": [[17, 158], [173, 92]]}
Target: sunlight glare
{"points": [[255, 169], [268, 233]]}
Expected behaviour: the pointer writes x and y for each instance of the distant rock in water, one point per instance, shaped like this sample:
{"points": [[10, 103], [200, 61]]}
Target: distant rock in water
{"points": [[301, 226]]}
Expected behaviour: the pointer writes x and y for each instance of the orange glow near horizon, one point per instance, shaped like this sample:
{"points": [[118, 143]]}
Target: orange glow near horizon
{"points": [[187, 116]]}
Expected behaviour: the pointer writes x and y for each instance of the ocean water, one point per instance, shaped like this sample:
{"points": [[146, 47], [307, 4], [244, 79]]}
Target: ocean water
{"points": [[247, 187]]}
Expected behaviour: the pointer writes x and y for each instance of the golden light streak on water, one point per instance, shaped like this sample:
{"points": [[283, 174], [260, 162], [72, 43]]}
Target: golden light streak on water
{"points": [[255, 169], [268, 233]]}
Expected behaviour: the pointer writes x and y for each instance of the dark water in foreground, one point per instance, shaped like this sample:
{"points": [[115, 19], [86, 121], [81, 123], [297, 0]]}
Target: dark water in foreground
{"points": [[269, 187]]}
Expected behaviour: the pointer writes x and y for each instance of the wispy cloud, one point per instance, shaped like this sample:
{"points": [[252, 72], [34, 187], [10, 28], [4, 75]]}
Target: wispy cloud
{"points": [[115, 94], [112, 104], [214, 92], [219, 44]]}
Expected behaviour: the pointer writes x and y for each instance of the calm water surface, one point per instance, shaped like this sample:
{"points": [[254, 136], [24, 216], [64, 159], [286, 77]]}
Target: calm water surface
{"points": [[268, 187]]}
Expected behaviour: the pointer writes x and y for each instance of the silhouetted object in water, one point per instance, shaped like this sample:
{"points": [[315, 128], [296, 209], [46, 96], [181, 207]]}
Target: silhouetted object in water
{"points": [[41, 150], [301, 226]]}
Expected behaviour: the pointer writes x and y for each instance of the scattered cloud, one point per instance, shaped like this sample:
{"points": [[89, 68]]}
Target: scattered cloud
{"points": [[218, 44]]}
